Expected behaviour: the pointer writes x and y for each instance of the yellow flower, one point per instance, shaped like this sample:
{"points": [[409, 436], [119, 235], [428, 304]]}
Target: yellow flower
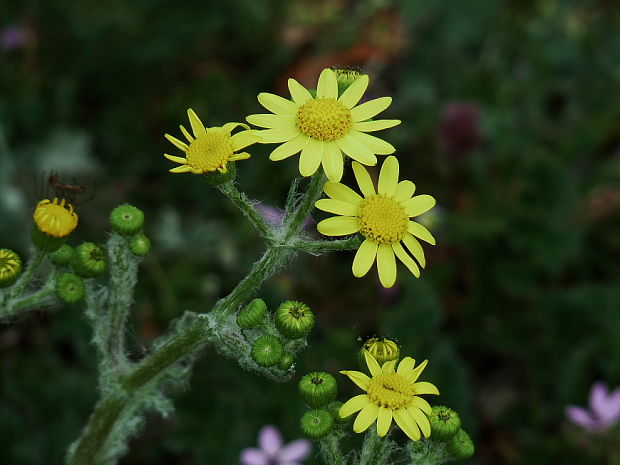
{"points": [[54, 218], [210, 149], [382, 218], [390, 394], [324, 126]]}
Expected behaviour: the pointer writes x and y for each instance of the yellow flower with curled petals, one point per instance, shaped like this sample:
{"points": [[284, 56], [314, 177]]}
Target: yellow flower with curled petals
{"points": [[391, 394], [325, 126], [382, 217], [210, 149], [55, 218]]}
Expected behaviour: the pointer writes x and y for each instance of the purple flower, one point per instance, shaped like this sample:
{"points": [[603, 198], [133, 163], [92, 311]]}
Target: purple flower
{"points": [[604, 411], [273, 451], [12, 37]]}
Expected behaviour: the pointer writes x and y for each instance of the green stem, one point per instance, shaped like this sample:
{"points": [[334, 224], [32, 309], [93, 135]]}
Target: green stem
{"points": [[321, 247], [314, 192], [243, 203], [375, 450], [32, 267], [40, 297], [330, 451]]}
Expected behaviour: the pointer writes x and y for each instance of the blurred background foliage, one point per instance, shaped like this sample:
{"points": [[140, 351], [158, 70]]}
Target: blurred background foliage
{"points": [[509, 120]]}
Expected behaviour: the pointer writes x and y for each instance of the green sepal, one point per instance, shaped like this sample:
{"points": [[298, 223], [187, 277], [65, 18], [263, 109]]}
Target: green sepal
{"points": [[445, 423], [44, 242], [318, 388], [252, 314], [126, 219], [267, 350], [294, 319], [216, 178], [461, 446], [316, 424], [70, 288]]}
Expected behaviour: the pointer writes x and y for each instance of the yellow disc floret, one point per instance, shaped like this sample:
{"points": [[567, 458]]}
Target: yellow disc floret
{"points": [[324, 119], [55, 218], [210, 151], [382, 219], [391, 390]]}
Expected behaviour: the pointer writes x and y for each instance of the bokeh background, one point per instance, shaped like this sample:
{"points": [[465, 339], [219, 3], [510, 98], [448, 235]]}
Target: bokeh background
{"points": [[510, 119]]}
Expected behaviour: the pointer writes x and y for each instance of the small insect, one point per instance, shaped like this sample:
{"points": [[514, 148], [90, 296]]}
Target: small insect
{"points": [[63, 190]]}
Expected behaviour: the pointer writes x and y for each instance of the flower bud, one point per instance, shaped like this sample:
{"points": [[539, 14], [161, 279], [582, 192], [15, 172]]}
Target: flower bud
{"points": [[252, 315], [286, 362], [318, 388], [267, 350], [346, 76], [140, 245], [334, 409], [445, 423], [70, 288], [294, 319], [89, 260], [316, 424], [461, 445], [382, 349], [62, 256], [126, 219], [10, 267]]}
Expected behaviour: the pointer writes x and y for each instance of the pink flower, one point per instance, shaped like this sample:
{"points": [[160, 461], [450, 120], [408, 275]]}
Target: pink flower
{"points": [[273, 451], [604, 411]]}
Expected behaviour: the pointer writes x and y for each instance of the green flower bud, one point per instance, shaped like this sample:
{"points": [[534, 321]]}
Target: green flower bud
{"points": [[252, 315], [10, 267], [346, 76], [70, 288], [62, 256], [45, 242], [461, 446], [126, 219], [267, 350], [294, 319], [445, 423], [286, 362], [334, 409], [89, 260], [381, 348], [316, 424], [318, 388], [216, 178], [140, 245]]}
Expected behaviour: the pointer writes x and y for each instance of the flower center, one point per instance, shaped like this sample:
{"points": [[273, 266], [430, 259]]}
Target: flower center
{"points": [[55, 219], [7, 265], [382, 219], [390, 390], [210, 151], [324, 119]]}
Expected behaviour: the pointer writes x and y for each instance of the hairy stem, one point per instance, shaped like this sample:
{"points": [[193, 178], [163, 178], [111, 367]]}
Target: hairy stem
{"points": [[298, 217], [375, 450], [330, 450], [42, 297], [26, 277], [243, 203], [321, 247]]}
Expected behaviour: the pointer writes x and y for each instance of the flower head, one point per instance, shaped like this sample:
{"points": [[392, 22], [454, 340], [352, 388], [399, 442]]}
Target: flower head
{"points": [[382, 217], [603, 412], [323, 127], [55, 218], [382, 349], [273, 451], [10, 267], [391, 393], [210, 149]]}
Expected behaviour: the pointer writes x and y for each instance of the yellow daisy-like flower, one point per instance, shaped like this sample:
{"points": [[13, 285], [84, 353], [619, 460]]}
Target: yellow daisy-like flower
{"points": [[55, 218], [323, 127], [382, 218], [391, 394], [210, 149]]}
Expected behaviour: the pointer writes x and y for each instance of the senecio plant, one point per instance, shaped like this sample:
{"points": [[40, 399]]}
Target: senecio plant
{"points": [[326, 127]]}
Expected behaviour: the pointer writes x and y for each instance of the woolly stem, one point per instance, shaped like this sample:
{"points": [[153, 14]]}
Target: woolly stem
{"points": [[243, 203], [330, 450], [298, 217], [41, 297], [26, 277], [320, 247], [427, 452], [375, 450]]}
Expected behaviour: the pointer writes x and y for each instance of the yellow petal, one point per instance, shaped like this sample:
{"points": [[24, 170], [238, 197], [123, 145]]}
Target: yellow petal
{"points": [[359, 378], [289, 148], [406, 422], [388, 367], [240, 156], [244, 138], [422, 405], [176, 142], [369, 109], [354, 92], [363, 179], [405, 366], [415, 248], [386, 264], [228, 127], [268, 120], [332, 161], [388, 176], [374, 144], [421, 420], [277, 135], [187, 135], [424, 387], [419, 204], [364, 258], [339, 191], [377, 125], [365, 418], [404, 191], [357, 150], [355, 404], [338, 226], [384, 421], [415, 374], [311, 157], [175, 159], [298, 92], [420, 232], [404, 257], [327, 86], [276, 104], [197, 127], [336, 206], [181, 169], [373, 366]]}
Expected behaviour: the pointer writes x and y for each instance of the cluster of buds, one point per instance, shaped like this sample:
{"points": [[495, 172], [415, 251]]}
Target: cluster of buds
{"points": [[275, 337], [318, 390], [446, 428], [128, 221]]}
